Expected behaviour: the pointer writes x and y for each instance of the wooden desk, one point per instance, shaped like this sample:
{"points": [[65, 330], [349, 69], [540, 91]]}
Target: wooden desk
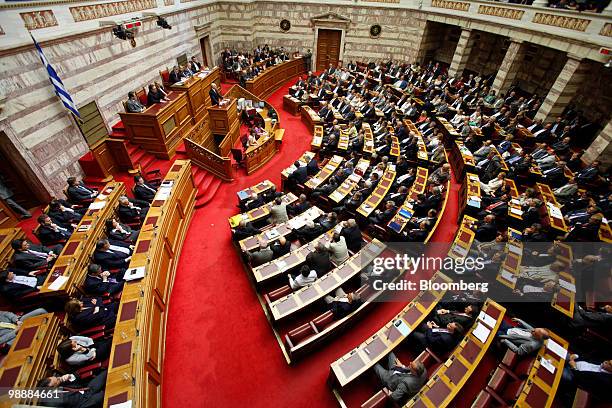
{"points": [[264, 84], [469, 195], [463, 240], [327, 283], [510, 267], [449, 133], [349, 183], [224, 120], [461, 159], [368, 139], [502, 162], [310, 117], [363, 357], [343, 140], [259, 213], [446, 382], [317, 138], [378, 194], [256, 189], [395, 148], [280, 230], [541, 385], [7, 235], [289, 261], [75, 257], [324, 173], [291, 105], [564, 299], [405, 212], [304, 159], [197, 88], [161, 127], [27, 359], [137, 353], [551, 209]]}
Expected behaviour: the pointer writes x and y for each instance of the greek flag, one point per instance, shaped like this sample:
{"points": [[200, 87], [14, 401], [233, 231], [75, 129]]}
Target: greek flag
{"points": [[57, 83]]}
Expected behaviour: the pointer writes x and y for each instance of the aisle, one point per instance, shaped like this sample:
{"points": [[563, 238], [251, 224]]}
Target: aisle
{"points": [[220, 350]]}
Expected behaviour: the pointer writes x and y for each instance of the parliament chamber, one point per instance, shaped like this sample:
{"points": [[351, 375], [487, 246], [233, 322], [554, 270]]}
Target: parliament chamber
{"points": [[266, 203]]}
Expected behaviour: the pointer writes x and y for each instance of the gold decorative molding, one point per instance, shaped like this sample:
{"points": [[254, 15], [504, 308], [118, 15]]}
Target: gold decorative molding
{"points": [[380, 1], [168, 2], [606, 30], [2, 31], [570, 23], [94, 11], [38, 19], [451, 5], [503, 12]]}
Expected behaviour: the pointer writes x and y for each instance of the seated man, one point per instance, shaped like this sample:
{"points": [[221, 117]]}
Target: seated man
{"points": [[99, 282], [261, 255], [50, 233], [403, 381], [305, 277], [111, 256], [64, 214], [278, 212], [244, 230], [299, 206], [129, 211], [463, 315], [352, 234], [143, 191], [438, 339], [593, 377], [343, 304], [133, 105], [78, 192], [338, 251], [71, 394], [81, 350], [14, 286], [383, 217], [523, 340], [29, 257], [281, 247], [10, 324], [120, 234]]}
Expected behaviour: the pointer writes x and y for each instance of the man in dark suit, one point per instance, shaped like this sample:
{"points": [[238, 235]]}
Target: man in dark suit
{"points": [[462, 315], [343, 303], [312, 167], [438, 339], [215, 95], [194, 65], [351, 233], [593, 377], [63, 214], [300, 174], [14, 286], [142, 190], [50, 233], [175, 75], [68, 397], [418, 234], [78, 192], [99, 282], [299, 206], [383, 217], [588, 174], [319, 259], [30, 257], [485, 230], [244, 230], [111, 257], [129, 211]]}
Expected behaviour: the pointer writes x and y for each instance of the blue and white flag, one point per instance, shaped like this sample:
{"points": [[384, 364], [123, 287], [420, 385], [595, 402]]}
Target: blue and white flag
{"points": [[57, 83]]}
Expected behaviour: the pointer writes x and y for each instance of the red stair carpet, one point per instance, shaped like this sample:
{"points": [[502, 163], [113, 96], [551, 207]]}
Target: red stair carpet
{"points": [[220, 350]]}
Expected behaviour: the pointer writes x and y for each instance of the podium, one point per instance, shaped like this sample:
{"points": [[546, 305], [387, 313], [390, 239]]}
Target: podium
{"points": [[161, 127], [224, 123]]}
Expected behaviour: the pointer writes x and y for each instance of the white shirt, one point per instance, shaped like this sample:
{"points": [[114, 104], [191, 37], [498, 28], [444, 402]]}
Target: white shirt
{"points": [[594, 368], [301, 281], [25, 280]]}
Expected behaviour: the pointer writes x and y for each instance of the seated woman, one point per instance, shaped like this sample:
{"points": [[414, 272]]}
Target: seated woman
{"points": [[120, 234], [80, 350], [259, 131], [91, 312]]}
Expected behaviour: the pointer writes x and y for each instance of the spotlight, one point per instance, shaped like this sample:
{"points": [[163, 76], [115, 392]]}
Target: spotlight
{"points": [[121, 33], [163, 23]]}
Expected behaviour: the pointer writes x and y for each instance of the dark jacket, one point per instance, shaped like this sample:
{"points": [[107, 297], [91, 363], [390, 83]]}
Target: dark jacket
{"points": [[352, 235], [143, 193], [87, 318]]}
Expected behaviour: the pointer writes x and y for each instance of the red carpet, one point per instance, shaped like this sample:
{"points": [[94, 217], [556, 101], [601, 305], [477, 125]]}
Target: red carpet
{"points": [[220, 350]]}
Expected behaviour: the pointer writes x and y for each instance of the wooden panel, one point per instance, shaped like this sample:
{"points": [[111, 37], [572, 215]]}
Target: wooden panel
{"points": [[328, 48]]}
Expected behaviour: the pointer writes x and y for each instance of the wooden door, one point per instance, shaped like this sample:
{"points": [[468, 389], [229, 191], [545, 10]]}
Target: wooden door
{"points": [[328, 48], [205, 47]]}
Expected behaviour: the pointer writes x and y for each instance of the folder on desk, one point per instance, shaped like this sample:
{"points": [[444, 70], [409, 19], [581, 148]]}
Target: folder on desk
{"points": [[134, 273], [395, 226]]}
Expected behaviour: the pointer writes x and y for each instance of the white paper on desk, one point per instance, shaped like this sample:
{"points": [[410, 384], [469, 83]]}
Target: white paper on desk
{"points": [[315, 180], [271, 234], [486, 319], [508, 276], [515, 249], [554, 211], [567, 285], [481, 332], [335, 196], [515, 201], [556, 348], [58, 283], [126, 404], [548, 365], [281, 264], [516, 211], [402, 327], [459, 250], [101, 196], [369, 143], [97, 205]]}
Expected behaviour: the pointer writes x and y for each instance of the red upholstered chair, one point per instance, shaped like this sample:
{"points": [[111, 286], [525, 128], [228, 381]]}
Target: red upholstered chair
{"points": [[277, 293], [378, 400], [299, 334], [165, 76], [324, 320], [141, 94]]}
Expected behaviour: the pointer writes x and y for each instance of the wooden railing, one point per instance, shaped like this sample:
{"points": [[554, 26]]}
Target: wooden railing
{"points": [[204, 158]]}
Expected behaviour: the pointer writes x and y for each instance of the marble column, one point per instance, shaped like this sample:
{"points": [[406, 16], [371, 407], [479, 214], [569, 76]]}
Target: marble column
{"points": [[601, 148], [510, 66], [462, 52], [564, 89]]}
